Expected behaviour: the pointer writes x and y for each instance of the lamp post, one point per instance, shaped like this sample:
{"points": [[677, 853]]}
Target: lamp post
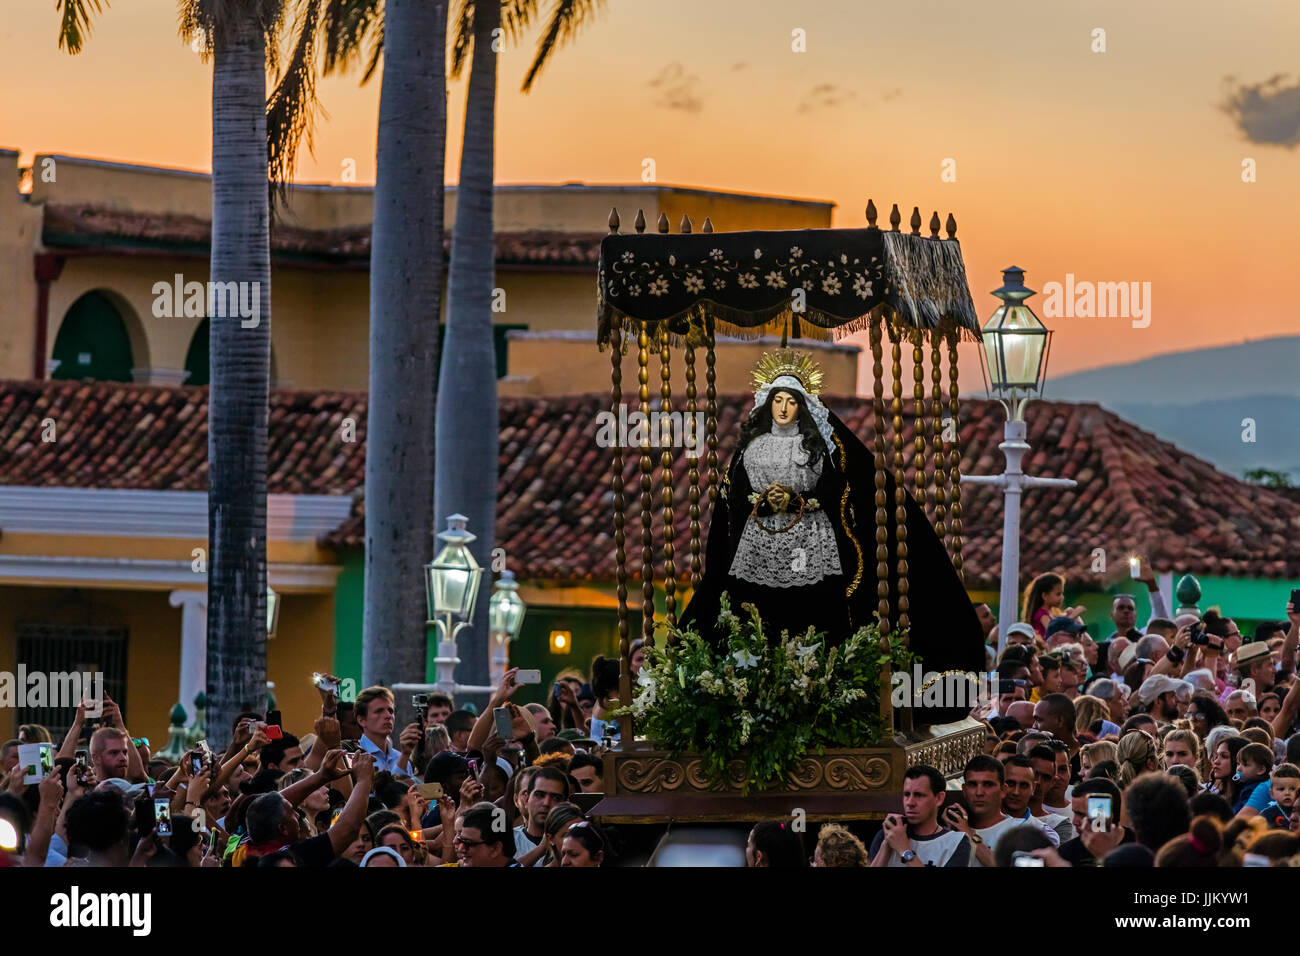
{"points": [[1014, 361], [451, 582], [505, 618]]}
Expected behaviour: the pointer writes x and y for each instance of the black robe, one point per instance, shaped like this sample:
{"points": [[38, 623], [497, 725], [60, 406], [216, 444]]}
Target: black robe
{"points": [[944, 631]]}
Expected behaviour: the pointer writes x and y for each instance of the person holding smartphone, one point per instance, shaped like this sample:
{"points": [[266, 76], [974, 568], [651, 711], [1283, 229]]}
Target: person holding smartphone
{"points": [[1098, 833], [916, 837]]}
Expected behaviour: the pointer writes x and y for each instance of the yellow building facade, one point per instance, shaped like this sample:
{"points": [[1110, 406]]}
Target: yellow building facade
{"points": [[100, 555]]}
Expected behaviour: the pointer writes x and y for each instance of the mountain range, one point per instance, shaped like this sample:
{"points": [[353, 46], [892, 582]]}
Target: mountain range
{"points": [[1205, 401]]}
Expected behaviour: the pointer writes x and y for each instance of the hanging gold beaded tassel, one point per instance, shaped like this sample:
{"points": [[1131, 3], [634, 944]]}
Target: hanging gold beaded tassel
{"points": [[920, 428]]}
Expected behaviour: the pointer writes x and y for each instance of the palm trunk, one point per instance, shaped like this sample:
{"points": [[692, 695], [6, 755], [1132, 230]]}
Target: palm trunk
{"points": [[466, 462], [237, 401], [406, 267]]}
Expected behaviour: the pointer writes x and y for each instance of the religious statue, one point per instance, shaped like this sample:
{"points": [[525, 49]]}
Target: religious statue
{"points": [[793, 533]]}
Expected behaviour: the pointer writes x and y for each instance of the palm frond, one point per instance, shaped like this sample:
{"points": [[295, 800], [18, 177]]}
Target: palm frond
{"points": [[74, 23], [462, 37], [346, 27], [292, 107], [212, 21], [567, 18]]}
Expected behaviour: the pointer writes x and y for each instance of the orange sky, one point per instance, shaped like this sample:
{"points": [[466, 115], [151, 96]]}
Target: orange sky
{"points": [[1114, 166]]}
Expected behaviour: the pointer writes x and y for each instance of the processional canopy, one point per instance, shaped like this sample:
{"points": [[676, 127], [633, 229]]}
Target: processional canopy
{"points": [[657, 291]]}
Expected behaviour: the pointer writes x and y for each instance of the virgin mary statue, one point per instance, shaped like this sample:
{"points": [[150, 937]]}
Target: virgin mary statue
{"points": [[793, 532]]}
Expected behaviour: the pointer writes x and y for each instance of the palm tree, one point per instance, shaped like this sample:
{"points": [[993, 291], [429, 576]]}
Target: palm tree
{"points": [[465, 460], [406, 267], [237, 35]]}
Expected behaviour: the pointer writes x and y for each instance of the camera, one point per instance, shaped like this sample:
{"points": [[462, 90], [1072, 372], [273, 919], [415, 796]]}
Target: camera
{"points": [[1199, 634]]}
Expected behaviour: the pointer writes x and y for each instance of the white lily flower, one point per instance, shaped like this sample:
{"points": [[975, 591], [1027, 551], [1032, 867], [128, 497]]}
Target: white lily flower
{"points": [[745, 659]]}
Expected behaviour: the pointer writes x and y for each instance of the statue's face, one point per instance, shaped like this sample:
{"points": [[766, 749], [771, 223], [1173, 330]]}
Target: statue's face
{"points": [[785, 408]]}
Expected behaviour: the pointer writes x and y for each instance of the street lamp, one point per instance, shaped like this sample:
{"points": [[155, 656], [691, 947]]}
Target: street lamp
{"points": [[1014, 361], [505, 618], [451, 585]]}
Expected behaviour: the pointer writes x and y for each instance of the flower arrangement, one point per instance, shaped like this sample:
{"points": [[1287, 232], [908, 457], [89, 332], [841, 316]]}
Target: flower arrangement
{"points": [[764, 702]]}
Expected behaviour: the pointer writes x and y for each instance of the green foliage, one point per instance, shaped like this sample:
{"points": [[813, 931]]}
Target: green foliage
{"points": [[766, 702], [1268, 478]]}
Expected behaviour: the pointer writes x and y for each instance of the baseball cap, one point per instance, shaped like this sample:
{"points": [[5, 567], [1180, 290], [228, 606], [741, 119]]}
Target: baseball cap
{"points": [[1069, 625], [1158, 684], [1021, 628], [575, 736]]}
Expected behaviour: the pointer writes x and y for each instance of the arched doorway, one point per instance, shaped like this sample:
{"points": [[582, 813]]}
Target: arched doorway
{"points": [[93, 342], [196, 359]]}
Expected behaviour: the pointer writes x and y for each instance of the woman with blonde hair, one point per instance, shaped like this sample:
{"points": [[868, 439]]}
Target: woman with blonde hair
{"points": [[1092, 754], [1136, 754], [1087, 711]]}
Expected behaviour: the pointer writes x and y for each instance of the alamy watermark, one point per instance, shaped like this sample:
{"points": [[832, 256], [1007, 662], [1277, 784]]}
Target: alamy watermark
{"points": [[1098, 300], [633, 429], [211, 300], [53, 689], [943, 689]]}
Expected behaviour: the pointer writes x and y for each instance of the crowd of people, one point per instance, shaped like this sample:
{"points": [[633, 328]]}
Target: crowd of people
{"points": [[1173, 744], [447, 789]]}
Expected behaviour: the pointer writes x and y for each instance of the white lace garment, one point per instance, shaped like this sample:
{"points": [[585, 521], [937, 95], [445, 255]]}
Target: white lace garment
{"points": [[805, 554]]}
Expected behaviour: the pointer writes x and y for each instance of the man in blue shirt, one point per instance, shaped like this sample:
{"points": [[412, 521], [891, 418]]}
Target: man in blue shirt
{"points": [[376, 711]]}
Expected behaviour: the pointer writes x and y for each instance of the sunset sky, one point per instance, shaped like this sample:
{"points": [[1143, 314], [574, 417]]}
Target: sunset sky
{"points": [[1115, 166]]}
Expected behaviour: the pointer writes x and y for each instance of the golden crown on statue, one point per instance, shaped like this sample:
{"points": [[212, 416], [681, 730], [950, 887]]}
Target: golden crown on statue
{"points": [[788, 362]]}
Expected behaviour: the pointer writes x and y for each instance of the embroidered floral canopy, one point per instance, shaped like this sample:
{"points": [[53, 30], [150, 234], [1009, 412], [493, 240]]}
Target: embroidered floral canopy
{"points": [[825, 282]]}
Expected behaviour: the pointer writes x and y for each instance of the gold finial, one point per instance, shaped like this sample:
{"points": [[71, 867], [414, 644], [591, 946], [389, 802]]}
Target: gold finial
{"points": [[708, 225], [871, 214], [916, 220], [662, 223], [613, 220], [788, 362], [934, 225], [639, 222], [686, 224], [951, 227], [894, 218]]}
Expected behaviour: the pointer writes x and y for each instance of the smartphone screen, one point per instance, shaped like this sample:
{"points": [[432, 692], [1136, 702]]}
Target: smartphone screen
{"points": [[162, 814], [1099, 809], [505, 727], [196, 765]]}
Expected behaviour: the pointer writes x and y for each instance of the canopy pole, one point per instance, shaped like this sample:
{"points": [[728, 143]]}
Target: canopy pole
{"points": [[666, 479], [921, 424], [882, 518], [954, 458], [900, 505], [693, 474], [620, 513], [647, 483], [939, 458]]}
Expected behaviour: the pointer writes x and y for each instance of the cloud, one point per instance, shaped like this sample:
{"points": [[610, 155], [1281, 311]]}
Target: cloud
{"points": [[825, 96], [832, 96], [677, 89], [1267, 112]]}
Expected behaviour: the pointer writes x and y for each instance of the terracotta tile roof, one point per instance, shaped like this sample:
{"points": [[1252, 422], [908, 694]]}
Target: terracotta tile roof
{"points": [[1136, 493], [79, 226], [111, 435]]}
